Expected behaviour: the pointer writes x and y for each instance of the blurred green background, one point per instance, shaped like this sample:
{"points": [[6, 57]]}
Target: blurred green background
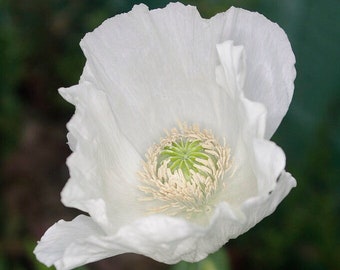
{"points": [[39, 53]]}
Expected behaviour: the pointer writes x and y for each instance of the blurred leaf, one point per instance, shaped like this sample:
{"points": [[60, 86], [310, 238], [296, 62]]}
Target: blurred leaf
{"points": [[216, 261], [11, 70], [3, 264]]}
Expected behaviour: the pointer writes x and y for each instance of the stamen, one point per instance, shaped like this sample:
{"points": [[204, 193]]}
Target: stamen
{"points": [[184, 172]]}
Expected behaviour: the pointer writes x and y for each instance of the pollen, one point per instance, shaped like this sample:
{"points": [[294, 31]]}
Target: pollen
{"points": [[183, 174]]}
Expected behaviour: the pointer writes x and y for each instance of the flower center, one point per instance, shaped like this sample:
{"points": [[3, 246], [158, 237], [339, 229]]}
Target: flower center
{"points": [[183, 173], [184, 155]]}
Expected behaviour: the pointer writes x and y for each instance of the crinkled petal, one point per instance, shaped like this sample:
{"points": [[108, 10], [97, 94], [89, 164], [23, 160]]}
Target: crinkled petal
{"points": [[232, 72], [270, 60], [145, 71], [102, 168], [70, 244], [169, 56], [157, 68], [229, 222], [256, 162], [80, 241], [268, 161], [255, 209]]}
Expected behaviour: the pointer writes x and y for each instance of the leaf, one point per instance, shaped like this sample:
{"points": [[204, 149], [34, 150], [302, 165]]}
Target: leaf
{"points": [[216, 261]]}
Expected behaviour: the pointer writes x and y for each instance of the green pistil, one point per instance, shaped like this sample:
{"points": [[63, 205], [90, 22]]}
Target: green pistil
{"points": [[183, 155]]}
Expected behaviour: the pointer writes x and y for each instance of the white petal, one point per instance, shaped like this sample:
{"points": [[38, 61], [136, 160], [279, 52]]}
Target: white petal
{"points": [[256, 162], [157, 67], [256, 166], [229, 223], [270, 60], [245, 118], [232, 59], [255, 209], [268, 161], [245, 121], [168, 55], [144, 70], [103, 180], [190, 242], [70, 244]]}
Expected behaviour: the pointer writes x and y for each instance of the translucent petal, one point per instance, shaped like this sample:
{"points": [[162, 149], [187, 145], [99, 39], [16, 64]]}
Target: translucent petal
{"points": [[179, 49], [70, 244], [255, 209], [229, 222], [157, 68], [256, 162], [103, 181], [145, 71], [270, 60]]}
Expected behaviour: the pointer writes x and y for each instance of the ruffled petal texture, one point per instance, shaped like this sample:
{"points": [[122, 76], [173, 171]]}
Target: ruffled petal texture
{"points": [[145, 72], [71, 244], [270, 60], [144, 55], [101, 182]]}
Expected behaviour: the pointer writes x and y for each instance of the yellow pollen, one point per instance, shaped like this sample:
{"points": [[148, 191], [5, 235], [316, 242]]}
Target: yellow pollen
{"points": [[184, 172]]}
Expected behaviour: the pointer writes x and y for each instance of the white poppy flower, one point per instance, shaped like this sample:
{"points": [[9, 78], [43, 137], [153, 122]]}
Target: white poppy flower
{"points": [[170, 137]]}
